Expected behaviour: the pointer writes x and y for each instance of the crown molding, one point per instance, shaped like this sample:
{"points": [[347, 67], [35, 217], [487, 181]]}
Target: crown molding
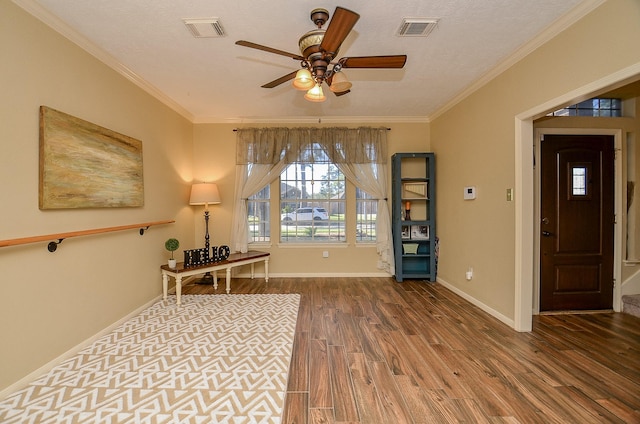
{"points": [[314, 120], [75, 37], [555, 28]]}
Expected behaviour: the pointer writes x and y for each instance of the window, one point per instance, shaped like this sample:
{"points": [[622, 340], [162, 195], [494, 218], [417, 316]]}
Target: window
{"points": [[312, 200], [366, 213], [579, 180], [258, 215], [592, 107], [310, 167], [579, 175]]}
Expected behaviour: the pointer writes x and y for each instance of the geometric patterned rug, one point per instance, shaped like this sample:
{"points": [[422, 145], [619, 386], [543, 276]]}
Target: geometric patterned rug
{"points": [[216, 359]]}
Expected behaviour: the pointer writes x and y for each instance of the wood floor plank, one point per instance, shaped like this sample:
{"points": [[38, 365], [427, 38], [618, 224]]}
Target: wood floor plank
{"points": [[299, 367], [593, 407], [367, 400], [390, 397], [552, 406], [319, 382], [368, 341], [620, 410], [468, 411], [296, 409], [344, 401], [321, 416], [423, 409], [441, 375], [349, 332]]}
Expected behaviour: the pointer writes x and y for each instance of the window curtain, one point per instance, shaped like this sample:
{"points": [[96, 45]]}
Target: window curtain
{"points": [[360, 153]]}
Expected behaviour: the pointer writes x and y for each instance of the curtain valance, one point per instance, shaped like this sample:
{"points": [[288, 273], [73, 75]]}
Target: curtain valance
{"points": [[268, 146]]}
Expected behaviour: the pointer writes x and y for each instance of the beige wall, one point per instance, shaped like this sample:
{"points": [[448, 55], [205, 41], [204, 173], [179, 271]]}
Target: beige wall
{"points": [[475, 145], [214, 160], [54, 301]]}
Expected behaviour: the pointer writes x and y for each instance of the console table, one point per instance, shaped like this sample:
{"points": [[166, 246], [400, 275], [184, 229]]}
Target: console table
{"points": [[234, 260]]}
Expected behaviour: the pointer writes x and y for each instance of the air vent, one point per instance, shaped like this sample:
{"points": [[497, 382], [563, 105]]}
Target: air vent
{"points": [[417, 27], [205, 27]]}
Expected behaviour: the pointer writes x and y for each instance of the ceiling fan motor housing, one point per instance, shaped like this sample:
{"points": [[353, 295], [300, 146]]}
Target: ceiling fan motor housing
{"points": [[319, 16], [310, 42]]}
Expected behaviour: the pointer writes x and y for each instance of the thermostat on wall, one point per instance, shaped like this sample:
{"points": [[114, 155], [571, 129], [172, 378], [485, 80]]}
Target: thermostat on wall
{"points": [[469, 193]]}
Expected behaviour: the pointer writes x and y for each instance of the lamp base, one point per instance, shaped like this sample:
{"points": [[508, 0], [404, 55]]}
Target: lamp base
{"points": [[206, 279]]}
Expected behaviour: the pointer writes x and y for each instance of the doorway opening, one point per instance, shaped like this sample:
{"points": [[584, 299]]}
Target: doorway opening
{"points": [[526, 240]]}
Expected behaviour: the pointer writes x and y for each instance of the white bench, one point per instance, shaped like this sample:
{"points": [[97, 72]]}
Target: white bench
{"points": [[234, 260]]}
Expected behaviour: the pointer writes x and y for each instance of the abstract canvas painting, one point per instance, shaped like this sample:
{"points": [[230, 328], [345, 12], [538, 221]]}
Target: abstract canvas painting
{"points": [[83, 165]]}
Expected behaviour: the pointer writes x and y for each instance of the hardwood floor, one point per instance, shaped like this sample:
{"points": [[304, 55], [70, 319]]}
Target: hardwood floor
{"points": [[370, 350]]}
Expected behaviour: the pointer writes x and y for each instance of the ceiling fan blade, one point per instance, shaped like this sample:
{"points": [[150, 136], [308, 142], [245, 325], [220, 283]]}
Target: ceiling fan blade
{"points": [[396, 61], [280, 80], [339, 27], [342, 93], [268, 49]]}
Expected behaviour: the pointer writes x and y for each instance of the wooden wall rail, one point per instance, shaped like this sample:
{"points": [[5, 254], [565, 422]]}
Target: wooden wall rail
{"points": [[61, 236]]}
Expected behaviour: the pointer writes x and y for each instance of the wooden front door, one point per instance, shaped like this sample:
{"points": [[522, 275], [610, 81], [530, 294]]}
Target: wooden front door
{"points": [[577, 222]]}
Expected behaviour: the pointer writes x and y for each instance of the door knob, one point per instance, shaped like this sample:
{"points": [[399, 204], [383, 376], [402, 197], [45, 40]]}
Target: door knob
{"points": [[546, 233]]}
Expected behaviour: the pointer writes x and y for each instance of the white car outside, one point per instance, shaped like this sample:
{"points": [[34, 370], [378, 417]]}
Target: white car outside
{"points": [[306, 214]]}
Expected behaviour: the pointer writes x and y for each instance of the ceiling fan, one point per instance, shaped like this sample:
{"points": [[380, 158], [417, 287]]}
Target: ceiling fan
{"points": [[319, 47]]}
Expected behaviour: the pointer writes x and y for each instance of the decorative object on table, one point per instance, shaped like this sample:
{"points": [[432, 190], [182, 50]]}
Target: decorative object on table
{"points": [[172, 245], [410, 248], [205, 194], [196, 257], [407, 211], [414, 190], [220, 253], [83, 165], [204, 256], [420, 232]]}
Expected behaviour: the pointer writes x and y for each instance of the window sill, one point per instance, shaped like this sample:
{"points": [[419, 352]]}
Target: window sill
{"points": [[294, 245], [260, 245]]}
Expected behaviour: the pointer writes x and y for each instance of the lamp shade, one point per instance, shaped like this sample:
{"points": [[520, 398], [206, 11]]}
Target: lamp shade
{"points": [[340, 83], [204, 194], [315, 94], [303, 80]]}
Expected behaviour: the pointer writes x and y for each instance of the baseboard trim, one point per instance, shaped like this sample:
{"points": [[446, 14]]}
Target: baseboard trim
{"points": [[23, 382], [506, 320], [314, 274]]}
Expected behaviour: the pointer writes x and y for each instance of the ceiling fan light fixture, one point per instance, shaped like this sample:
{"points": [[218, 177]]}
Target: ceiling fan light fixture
{"points": [[303, 80], [340, 83], [315, 94]]}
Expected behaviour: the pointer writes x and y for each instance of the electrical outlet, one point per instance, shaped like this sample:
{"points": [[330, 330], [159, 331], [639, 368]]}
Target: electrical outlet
{"points": [[325, 254]]}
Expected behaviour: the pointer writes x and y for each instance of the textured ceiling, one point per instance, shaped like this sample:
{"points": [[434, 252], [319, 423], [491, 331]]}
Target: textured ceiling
{"points": [[214, 80]]}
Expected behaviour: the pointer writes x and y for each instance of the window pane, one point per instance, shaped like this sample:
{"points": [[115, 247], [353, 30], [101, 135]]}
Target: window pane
{"points": [[366, 212], [592, 107], [258, 216], [579, 180], [312, 200]]}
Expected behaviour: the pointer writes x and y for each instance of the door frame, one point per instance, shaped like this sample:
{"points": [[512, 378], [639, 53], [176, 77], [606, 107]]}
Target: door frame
{"points": [[524, 177], [617, 236]]}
